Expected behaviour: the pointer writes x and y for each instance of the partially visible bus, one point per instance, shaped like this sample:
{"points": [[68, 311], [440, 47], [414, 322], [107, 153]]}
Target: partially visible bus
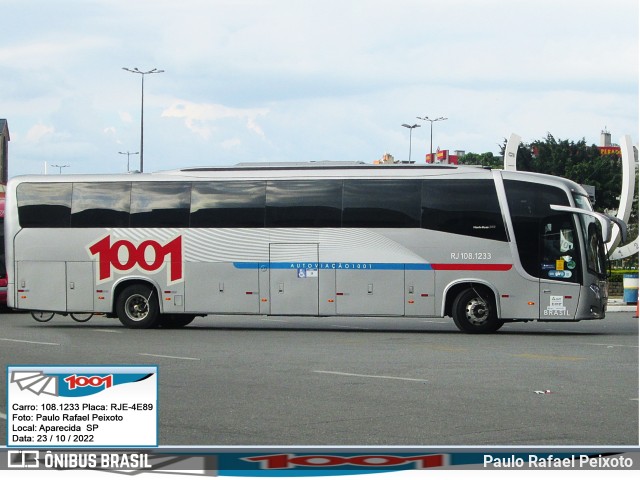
{"points": [[3, 271], [482, 246]]}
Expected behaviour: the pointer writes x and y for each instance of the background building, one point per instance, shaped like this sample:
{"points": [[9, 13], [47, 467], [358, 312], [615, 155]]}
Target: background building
{"points": [[443, 156]]}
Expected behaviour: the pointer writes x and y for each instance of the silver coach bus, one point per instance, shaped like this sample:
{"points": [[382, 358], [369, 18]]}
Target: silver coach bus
{"points": [[482, 246]]}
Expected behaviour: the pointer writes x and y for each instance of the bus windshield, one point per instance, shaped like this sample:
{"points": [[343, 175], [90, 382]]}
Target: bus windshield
{"points": [[595, 254], [582, 201], [592, 234]]}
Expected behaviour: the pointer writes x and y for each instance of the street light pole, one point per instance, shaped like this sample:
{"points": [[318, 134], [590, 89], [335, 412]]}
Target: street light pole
{"points": [[410, 127], [142, 74], [60, 167], [127, 153], [427, 119]]}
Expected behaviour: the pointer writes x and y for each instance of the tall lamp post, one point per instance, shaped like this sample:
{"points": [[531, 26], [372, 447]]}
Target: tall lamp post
{"points": [[60, 168], [127, 153], [427, 119], [410, 127], [142, 74]]}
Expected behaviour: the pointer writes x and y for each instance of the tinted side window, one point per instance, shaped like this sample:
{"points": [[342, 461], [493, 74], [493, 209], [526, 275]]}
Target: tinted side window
{"points": [[464, 207], [532, 200], [304, 203], [100, 205], [42, 205], [160, 204], [381, 203], [528, 205], [228, 204]]}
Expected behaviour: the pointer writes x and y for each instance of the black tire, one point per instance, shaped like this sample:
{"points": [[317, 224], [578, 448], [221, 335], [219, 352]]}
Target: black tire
{"points": [[81, 317], [474, 312], [177, 320], [40, 316], [137, 307]]}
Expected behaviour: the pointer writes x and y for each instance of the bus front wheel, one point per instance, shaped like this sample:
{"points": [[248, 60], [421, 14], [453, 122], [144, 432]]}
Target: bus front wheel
{"points": [[137, 307], [475, 313]]}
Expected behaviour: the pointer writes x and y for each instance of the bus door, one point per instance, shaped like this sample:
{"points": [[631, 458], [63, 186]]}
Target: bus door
{"points": [[293, 278], [560, 268]]}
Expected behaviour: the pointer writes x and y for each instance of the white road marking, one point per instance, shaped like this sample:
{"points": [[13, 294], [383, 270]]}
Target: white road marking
{"points": [[169, 356], [371, 376], [3, 416], [349, 326], [106, 330], [28, 341], [609, 345]]}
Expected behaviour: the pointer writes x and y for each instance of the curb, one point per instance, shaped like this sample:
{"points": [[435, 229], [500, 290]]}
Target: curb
{"points": [[617, 304], [621, 307]]}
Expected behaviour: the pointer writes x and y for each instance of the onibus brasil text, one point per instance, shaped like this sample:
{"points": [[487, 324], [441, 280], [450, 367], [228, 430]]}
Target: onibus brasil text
{"points": [[95, 460]]}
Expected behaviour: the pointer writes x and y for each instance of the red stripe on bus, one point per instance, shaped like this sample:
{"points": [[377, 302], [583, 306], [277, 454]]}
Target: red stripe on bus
{"points": [[492, 267]]}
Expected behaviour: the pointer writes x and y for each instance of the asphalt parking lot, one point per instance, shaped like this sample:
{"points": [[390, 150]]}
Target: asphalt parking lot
{"points": [[242, 380]]}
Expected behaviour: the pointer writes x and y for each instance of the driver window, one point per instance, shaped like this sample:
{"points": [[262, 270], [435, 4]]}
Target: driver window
{"points": [[560, 260]]}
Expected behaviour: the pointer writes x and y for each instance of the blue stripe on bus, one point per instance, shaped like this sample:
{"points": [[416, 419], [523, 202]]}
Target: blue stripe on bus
{"points": [[333, 265]]}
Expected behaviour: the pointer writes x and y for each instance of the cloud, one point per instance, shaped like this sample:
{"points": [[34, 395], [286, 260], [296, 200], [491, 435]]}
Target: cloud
{"points": [[51, 53], [231, 143], [39, 132], [126, 117], [249, 80], [201, 118]]}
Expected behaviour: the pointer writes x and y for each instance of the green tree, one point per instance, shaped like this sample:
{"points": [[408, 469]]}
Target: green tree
{"points": [[576, 161], [487, 159]]}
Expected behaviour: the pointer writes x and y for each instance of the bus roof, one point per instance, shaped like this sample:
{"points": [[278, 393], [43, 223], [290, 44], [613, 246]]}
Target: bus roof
{"points": [[303, 170], [278, 170]]}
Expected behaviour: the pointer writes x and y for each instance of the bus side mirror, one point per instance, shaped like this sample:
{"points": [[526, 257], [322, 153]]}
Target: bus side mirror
{"points": [[622, 226], [604, 220]]}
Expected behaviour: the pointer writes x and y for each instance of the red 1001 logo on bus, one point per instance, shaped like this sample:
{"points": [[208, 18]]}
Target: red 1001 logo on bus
{"points": [[284, 461], [149, 256]]}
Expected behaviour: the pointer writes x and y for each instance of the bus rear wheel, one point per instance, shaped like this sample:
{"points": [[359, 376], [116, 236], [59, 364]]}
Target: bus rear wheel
{"points": [[81, 317], [137, 307], [475, 313], [41, 316]]}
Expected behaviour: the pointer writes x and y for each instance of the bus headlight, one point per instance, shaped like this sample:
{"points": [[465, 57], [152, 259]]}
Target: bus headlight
{"points": [[596, 290]]}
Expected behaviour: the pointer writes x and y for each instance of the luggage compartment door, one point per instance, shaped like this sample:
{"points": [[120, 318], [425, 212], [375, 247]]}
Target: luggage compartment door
{"points": [[294, 277], [41, 286]]}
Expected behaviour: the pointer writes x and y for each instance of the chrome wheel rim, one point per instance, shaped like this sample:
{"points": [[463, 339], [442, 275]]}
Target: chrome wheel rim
{"points": [[136, 307], [477, 311]]}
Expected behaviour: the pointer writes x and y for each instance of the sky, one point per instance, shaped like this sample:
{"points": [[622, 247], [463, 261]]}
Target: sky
{"points": [[307, 80]]}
